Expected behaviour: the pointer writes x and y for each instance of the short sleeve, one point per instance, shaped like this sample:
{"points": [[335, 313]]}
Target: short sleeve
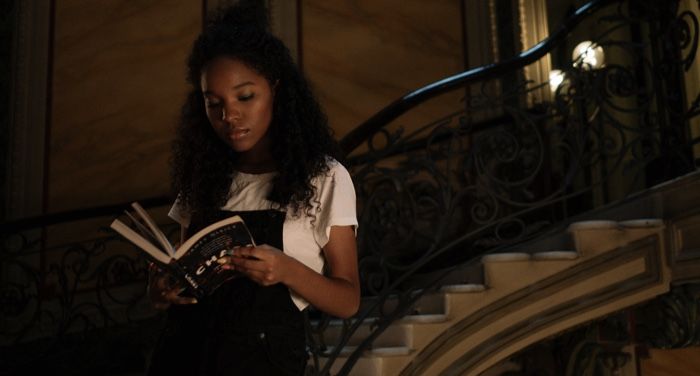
{"points": [[179, 213], [336, 202]]}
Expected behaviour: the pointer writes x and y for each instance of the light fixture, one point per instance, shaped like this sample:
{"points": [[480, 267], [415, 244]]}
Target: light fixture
{"points": [[588, 55], [556, 77]]}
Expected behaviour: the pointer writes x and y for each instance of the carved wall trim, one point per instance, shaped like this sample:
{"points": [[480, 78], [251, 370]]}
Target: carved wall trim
{"points": [[635, 272], [534, 27], [28, 109], [685, 247]]}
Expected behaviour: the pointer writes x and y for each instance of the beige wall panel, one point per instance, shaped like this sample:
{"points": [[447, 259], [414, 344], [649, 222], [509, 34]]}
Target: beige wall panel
{"points": [[361, 55], [676, 362], [118, 83]]}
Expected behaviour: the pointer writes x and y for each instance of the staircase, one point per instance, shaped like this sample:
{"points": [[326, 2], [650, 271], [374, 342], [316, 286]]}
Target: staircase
{"points": [[555, 283]]}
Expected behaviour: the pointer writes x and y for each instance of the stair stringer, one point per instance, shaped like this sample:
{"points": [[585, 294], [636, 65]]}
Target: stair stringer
{"points": [[484, 333]]}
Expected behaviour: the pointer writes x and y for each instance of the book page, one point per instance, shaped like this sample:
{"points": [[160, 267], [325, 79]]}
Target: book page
{"points": [[140, 242], [154, 228], [138, 225]]}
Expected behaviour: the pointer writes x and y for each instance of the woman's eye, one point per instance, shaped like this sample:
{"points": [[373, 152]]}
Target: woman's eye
{"points": [[212, 104], [246, 97]]}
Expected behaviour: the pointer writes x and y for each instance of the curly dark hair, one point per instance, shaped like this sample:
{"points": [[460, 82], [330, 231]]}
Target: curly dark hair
{"points": [[302, 141]]}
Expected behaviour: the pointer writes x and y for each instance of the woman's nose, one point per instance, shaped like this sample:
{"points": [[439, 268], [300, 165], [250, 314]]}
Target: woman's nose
{"points": [[230, 114]]}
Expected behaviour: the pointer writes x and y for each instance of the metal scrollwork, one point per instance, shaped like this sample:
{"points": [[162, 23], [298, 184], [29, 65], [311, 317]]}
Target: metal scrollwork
{"points": [[607, 346], [51, 299], [672, 321], [495, 172]]}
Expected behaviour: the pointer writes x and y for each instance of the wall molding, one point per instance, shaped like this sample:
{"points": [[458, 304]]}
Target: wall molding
{"points": [[29, 109]]}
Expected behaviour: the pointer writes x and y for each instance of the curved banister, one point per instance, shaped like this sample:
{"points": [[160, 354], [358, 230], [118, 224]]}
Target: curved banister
{"points": [[397, 108], [77, 215]]}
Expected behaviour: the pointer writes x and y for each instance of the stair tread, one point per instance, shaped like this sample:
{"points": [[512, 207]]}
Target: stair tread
{"points": [[642, 223], [467, 287], [412, 318], [555, 255], [593, 225], [424, 318], [506, 257], [375, 352]]}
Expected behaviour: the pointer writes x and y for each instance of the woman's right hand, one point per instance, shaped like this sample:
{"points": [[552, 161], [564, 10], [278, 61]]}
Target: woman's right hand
{"points": [[163, 291]]}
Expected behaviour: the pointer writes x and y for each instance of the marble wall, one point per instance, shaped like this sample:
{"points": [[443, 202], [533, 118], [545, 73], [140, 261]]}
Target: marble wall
{"points": [[361, 55], [117, 85], [118, 67], [673, 362]]}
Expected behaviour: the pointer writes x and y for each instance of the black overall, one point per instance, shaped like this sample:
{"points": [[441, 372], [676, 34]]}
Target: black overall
{"points": [[242, 328]]}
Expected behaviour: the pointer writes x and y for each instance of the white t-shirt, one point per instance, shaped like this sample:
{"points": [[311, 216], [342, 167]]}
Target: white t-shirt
{"points": [[304, 236]]}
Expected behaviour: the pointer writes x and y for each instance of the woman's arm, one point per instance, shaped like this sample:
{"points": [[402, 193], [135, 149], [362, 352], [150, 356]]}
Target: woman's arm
{"points": [[337, 293]]}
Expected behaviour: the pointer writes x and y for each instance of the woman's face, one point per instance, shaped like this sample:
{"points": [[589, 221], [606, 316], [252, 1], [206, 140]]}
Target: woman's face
{"points": [[238, 103]]}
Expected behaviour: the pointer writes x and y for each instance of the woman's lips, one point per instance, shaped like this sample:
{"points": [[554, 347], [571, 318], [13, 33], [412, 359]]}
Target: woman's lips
{"points": [[239, 133]]}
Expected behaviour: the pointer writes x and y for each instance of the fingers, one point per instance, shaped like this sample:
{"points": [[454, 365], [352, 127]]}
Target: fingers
{"points": [[261, 252], [226, 263], [247, 252], [240, 257], [262, 264], [164, 291], [166, 298], [173, 296]]}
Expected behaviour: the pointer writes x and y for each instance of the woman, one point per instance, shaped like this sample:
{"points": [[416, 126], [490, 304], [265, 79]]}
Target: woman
{"points": [[254, 142]]}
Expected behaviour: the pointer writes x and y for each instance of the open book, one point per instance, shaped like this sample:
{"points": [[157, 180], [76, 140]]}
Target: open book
{"points": [[194, 263]]}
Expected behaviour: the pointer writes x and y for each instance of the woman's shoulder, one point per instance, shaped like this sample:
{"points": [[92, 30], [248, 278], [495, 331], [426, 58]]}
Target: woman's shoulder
{"points": [[335, 168]]}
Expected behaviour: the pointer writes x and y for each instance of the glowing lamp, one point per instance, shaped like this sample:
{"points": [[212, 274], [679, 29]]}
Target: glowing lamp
{"points": [[556, 77], [588, 55]]}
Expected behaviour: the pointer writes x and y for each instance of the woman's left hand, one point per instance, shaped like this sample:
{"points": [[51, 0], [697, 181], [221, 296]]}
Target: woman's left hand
{"points": [[264, 264]]}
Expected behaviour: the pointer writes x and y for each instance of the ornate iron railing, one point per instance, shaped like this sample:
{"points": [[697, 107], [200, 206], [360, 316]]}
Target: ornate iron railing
{"points": [[498, 170], [518, 156], [73, 307]]}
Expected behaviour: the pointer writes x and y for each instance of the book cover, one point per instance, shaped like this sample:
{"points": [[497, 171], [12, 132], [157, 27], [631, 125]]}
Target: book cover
{"points": [[194, 263]]}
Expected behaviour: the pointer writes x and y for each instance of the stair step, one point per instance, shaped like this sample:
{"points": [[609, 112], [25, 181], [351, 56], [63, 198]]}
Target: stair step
{"points": [[394, 335], [643, 223], [428, 303], [597, 236], [376, 362], [376, 351], [397, 334], [471, 272], [505, 257], [556, 239], [424, 319], [555, 255], [594, 225], [464, 288], [365, 366], [501, 269], [390, 351]]}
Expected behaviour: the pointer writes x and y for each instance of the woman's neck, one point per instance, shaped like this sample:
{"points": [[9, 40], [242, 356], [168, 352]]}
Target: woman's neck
{"points": [[260, 165], [258, 159]]}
